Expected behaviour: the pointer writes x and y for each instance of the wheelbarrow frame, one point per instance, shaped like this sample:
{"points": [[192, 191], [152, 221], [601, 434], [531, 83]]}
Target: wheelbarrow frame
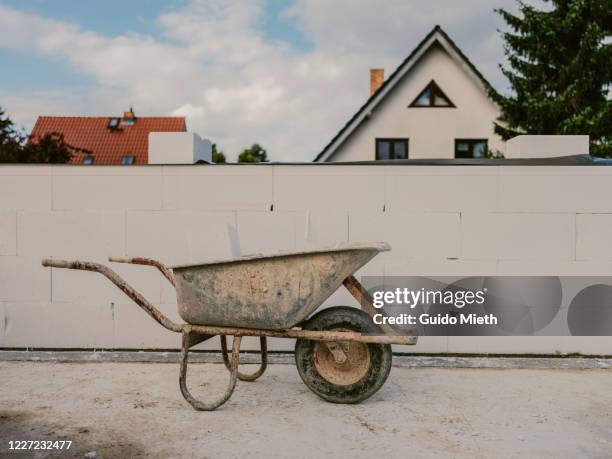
{"points": [[195, 334]]}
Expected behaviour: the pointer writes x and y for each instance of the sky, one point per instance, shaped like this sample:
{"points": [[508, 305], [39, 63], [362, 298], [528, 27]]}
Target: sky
{"points": [[285, 74]]}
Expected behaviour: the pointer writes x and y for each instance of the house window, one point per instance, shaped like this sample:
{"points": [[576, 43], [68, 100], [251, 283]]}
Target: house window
{"points": [[471, 148], [127, 160], [88, 159], [391, 149], [432, 96], [113, 123]]}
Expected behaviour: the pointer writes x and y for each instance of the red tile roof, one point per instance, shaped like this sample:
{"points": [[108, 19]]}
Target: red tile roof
{"points": [[106, 145]]}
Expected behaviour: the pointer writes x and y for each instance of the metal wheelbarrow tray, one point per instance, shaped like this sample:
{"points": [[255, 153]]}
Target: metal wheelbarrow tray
{"points": [[339, 354]]}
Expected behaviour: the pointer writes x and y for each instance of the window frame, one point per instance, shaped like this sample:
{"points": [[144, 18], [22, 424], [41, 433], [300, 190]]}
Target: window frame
{"points": [[392, 141], [113, 123], [131, 163], [472, 142], [432, 86]]}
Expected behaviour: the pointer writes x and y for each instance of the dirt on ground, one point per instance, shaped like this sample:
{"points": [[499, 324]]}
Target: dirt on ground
{"points": [[122, 410]]}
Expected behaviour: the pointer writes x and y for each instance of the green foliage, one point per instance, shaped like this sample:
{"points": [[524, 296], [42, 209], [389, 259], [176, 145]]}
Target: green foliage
{"points": [[50, 148], [255, 154], [217, 155], [560, 70], [11, 140]]}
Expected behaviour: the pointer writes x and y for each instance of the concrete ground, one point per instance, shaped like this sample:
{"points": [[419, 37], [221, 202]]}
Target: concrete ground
{"points": [[117, 410]]}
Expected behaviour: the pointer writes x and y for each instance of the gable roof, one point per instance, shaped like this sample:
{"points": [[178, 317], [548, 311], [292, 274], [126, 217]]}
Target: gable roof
{"points": [[107, 145], [437, 35]]}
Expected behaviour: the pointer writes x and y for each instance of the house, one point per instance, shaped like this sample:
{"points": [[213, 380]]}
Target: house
{"points": [[108, 139], [434, 105]]}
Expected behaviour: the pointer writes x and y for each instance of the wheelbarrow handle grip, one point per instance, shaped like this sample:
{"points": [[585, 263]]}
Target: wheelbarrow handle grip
{"points": [[120, 259], [52, 263], [147, 262]]}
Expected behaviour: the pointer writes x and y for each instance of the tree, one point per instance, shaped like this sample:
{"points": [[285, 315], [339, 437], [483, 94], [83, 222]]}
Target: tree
{"points": [[50, 148], [11, 140], [560, 70], [255, 154], [217, 155]]}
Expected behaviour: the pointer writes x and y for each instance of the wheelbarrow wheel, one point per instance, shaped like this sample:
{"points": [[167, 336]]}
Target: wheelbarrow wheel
{"points": [[362, 369]]}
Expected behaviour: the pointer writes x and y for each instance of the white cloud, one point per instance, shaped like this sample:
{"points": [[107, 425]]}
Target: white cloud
{"points": [[214, 64]]}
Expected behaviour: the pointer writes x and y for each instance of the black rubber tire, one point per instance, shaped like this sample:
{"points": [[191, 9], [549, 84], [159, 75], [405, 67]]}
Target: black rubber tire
{"points": [[342, 317]]}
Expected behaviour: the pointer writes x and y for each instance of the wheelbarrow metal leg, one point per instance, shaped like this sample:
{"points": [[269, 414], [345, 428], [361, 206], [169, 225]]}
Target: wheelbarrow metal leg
{"points": [[197, 404], [264, 359]]}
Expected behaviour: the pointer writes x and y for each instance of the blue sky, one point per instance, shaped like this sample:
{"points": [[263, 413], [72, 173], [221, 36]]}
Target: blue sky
{"points": [[286, 74]]}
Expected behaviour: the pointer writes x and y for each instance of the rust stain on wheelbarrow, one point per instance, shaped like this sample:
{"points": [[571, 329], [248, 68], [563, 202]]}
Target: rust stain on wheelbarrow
{"points": [[274, 296]]}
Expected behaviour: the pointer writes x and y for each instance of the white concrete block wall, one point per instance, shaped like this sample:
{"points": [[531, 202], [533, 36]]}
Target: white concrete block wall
{"points": [[440, 221]]}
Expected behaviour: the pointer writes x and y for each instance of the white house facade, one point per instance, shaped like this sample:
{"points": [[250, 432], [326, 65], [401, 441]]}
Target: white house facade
{"points": [[435, 105]]}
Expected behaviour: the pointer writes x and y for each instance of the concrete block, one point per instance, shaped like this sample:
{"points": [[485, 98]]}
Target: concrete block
{"points": [[180, 237], [217, 188], [79, 234], [411, 235], [24, 279], [593, 240], [425, 345], [474, 189], [178, 148], [320, 228], [11, 170], [588, 345], [71, 325], [134, 329], [547, 146], [518, 236], [77, 170], [553, 268], [441, 267], [555, 189], [24, 192], [331, 188], [480, 237], [266, 232], [2, 322], [121, 192], [82, 286], [8, 233]]}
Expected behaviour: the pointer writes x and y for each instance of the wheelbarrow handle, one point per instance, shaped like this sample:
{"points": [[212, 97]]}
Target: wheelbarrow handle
{"points": [[121, 284], [166, 272]]}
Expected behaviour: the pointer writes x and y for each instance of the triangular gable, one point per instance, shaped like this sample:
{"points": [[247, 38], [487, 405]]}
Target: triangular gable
{"points": [[432, 96], [436, 36]]}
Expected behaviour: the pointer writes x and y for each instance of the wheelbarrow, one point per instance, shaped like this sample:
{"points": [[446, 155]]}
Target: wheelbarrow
{"points": [[340, 354]]}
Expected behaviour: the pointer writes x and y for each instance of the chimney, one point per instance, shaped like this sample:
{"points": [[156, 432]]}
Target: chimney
{"points": [[377, 78], [129, 115]]}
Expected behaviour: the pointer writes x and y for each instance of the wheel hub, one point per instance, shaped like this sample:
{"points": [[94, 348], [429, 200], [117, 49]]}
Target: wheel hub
{"points": [[342, 372]]}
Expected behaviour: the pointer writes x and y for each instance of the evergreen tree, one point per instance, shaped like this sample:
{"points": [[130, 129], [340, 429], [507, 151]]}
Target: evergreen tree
{"points": [[50, 148], [11, 139], [560, 70]]}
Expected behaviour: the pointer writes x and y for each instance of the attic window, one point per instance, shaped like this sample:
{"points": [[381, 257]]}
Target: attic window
{"points": [[127, 160], [88, 160], [432, 96], [113, 123]]}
